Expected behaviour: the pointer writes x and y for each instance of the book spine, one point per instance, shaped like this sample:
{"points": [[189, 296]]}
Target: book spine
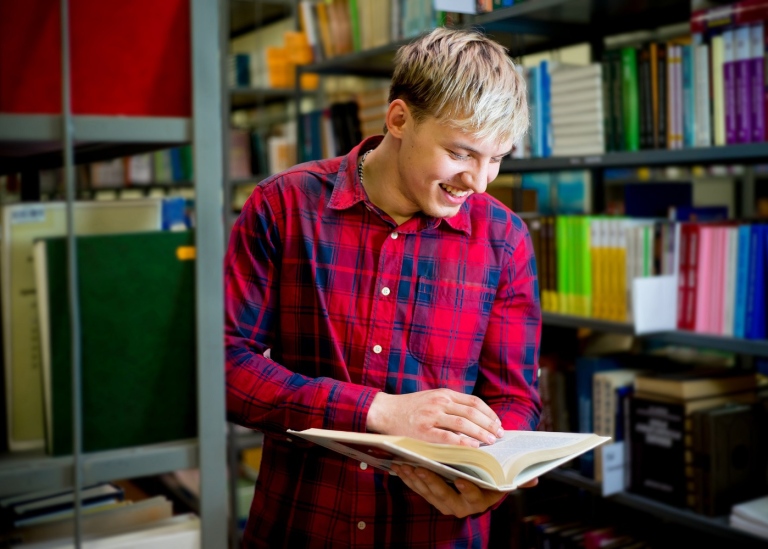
{"points": [[729, 86], [742, 278], [703, 97], [689, 99], [756, 79], [630, 103], [742, 84]]}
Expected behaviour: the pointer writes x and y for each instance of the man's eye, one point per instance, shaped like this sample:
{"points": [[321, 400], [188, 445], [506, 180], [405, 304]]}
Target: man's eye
{"points": [[459, 156]]}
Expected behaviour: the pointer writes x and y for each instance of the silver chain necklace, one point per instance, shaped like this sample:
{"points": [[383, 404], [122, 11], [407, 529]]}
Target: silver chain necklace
{"points": [[362, 161]]}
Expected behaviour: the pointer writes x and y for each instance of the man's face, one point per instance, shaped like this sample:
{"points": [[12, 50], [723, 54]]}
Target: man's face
{"points": [[440, 167]]}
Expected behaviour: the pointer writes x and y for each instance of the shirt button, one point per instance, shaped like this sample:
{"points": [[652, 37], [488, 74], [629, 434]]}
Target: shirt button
{"points": [[361, 525], [363, 465], [394, 236], [385, 291], [377, 349]]}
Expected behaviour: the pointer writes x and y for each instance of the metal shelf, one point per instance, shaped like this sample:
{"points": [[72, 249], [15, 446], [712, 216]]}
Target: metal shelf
{"points": [[570, 321], [711, 525], [746, 153], [755, 347], [243, 97], [33, 141], [248, 15], [33, 471]]}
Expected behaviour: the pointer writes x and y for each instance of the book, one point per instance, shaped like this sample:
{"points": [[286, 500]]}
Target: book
{"points": [[696, 383], [100, 522], [149, 278], [751, 516], [728, 457], [21, 225], [518, 457]]}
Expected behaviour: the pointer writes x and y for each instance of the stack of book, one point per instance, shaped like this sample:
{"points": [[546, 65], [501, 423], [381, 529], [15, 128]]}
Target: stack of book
{"points": [[684, 429], [577, 110], [44, 520]]}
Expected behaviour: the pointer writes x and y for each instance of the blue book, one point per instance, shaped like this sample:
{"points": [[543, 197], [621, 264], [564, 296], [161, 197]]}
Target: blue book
{"points": [[177, 166], [689, 116], [699, 213], [742, 276], [574, 192], [545, 109], [754, 327], [542, 183]]}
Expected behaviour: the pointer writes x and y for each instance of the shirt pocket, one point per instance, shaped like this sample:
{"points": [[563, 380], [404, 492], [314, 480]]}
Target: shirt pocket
{"points": [[449, 323]]}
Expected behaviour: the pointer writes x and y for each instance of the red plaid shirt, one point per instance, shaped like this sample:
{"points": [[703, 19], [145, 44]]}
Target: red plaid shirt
{"points": [[350, 304]]}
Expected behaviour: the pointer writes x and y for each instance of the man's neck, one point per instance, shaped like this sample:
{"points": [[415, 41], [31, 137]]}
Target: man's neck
{"points": [[379, 181]]}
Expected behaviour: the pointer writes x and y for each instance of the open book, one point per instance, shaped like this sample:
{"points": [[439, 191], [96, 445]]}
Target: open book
{"points": [[516, 458]]}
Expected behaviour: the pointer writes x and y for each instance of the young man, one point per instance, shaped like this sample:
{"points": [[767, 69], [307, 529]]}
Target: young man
{"points": [[383, 291]]}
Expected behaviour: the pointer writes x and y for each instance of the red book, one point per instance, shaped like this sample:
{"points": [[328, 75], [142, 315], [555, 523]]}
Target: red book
{"points": [[127, 58]]}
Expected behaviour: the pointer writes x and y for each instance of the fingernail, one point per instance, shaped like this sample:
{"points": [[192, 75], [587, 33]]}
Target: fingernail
{"points": [[459, 484], [500, 432], [491, 439], [421, 474]]}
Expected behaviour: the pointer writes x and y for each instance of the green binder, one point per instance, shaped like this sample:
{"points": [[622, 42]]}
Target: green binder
{"points": [[137, 312]]}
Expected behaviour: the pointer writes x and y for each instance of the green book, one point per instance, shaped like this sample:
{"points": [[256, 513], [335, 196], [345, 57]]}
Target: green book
{"points": [[630, 99], [137, 316]]}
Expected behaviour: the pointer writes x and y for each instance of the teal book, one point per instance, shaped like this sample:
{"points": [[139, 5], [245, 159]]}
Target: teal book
{"points": [[137, 316]]}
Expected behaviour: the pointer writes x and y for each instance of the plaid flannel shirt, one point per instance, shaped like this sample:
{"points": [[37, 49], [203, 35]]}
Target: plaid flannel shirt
{"points": [[349, 304]]}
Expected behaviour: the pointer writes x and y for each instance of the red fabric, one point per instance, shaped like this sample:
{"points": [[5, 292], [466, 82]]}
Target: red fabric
{"points": [[127, 58], [308, 261]]}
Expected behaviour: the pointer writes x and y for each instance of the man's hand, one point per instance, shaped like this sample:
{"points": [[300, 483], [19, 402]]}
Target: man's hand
{"points": [[438, 415], [469, 499]]}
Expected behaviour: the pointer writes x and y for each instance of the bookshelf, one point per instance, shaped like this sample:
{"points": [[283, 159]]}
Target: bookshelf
{"points": [[716, 526], [536, 26], [32, 142]]}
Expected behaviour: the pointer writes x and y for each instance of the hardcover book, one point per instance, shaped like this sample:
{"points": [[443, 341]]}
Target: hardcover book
{"points": [[518, 457]]}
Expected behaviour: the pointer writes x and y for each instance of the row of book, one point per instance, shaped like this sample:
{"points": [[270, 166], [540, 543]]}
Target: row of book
{"points": [[45, 520], [696, 89], [128, 263], [675, 426], [274, 66], [588, 265], [340, 27]]}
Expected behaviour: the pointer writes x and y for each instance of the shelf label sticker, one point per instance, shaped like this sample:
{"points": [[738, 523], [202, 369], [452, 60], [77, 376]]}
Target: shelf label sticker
{"points": [[33, 213]]}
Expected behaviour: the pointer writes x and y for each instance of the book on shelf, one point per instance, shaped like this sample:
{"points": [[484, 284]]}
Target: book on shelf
{"points": [[516, 458], [696, 383], [46, 506], [751, 516], [179, 531], [728, 456], [130, 358], [95, 522], [21, 225], [660, 435]]}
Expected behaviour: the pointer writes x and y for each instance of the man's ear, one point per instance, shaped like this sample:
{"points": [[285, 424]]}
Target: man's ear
{"points": [[397, 117]]}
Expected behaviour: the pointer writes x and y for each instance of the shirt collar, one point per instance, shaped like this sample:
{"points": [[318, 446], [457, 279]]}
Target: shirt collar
{"points": [[348, 191]]}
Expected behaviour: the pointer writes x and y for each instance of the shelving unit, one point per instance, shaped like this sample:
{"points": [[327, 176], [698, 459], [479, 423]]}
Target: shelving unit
{"points": [[717, 526], [36, 142]]}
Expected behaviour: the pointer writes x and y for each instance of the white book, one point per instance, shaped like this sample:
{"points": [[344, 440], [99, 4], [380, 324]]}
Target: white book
{"points": [[588, 97], [567, 73], [570, 86], [178, 532], [702, 96], [594, 106]]}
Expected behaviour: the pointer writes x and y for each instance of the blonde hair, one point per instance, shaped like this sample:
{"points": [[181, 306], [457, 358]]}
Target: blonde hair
{"points": [[464, 79]]}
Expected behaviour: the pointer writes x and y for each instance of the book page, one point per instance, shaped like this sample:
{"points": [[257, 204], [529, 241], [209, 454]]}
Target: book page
{"points": [[515, 443]]}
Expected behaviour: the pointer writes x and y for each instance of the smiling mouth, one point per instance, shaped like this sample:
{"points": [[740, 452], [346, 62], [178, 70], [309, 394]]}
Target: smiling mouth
{"points": [[453, 191]]}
